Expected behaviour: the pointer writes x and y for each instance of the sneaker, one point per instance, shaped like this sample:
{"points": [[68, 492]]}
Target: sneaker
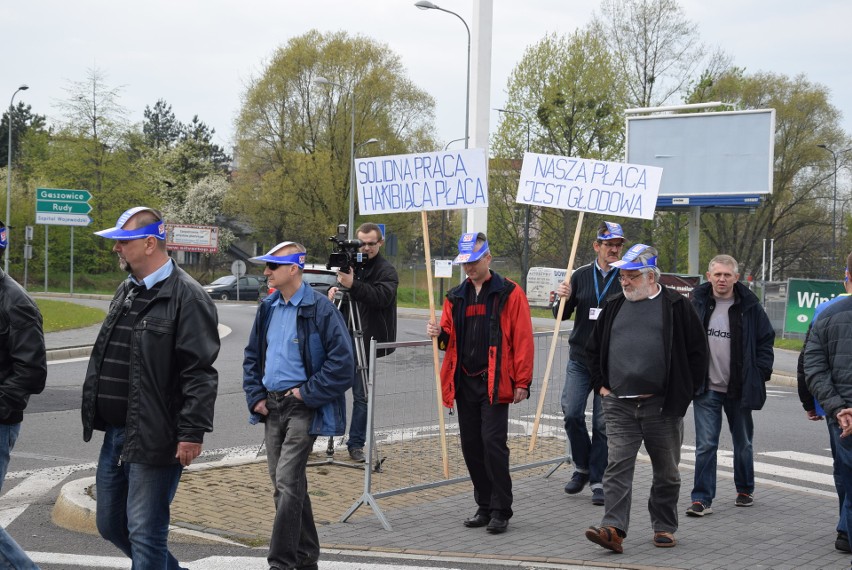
{"points": [[357, 454], [698, 509], [744, 500], [598, 497], [842, 542], [577, 482]]}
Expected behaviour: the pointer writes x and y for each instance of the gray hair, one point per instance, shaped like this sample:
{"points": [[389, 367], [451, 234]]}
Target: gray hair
{"points": [[724, 260]]}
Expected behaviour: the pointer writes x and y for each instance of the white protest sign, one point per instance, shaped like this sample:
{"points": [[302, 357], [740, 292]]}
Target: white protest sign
{"points": [[596, 186], [448, 180]]}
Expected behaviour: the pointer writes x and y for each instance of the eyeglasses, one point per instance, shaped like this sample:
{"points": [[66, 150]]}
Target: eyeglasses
{"points": [[629, 278], [610, 245], [371, 243], [272, 266]]}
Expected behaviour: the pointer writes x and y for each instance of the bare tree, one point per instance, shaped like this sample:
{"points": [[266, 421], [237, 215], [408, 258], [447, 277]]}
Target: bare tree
{"points": [[656, 48]]}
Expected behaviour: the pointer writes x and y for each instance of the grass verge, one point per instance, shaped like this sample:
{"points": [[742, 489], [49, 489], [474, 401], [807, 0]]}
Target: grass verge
{"points": [[60, 316]]}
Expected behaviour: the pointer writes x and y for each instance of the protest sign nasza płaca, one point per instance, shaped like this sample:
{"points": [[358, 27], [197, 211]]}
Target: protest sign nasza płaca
{"points": [[595, 186]]}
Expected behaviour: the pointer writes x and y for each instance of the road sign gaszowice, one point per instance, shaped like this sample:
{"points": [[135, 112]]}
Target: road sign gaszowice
{"points": [[63, 207]]}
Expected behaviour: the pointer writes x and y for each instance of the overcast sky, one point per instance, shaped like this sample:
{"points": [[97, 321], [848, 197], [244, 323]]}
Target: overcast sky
{"points": [[199, 54]]}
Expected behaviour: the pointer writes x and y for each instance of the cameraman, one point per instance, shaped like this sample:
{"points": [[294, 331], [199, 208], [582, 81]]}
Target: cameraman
{"points": [[373, 287]]}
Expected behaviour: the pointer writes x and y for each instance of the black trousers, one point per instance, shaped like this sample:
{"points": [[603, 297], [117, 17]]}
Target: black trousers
{"points": [[483, 428]]}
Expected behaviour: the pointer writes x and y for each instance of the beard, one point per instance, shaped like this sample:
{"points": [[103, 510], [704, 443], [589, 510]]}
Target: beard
{"points": [[125, 265], [638, 292]]}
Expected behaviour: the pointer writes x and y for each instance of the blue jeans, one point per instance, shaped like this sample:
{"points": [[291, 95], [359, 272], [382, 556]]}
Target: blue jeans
{"points": [[358, 424], [133, 501], [589, 455], [294, 540], [11, 555], [838, 480], [842, 447], [708, 424], [629, 423]]}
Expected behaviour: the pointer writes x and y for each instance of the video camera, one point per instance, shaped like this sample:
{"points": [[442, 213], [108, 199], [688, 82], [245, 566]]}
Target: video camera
{"points": [[344, 252]]}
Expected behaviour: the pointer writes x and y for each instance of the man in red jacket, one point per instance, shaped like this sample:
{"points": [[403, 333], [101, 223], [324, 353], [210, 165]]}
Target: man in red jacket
{"points": [[486, 331]]}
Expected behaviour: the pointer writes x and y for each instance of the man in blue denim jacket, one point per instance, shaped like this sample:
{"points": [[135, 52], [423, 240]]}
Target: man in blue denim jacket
{"points": [[298, 365]]}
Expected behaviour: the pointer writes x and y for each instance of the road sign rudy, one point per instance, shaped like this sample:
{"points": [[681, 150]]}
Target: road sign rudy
{"points": [[63, 207]]}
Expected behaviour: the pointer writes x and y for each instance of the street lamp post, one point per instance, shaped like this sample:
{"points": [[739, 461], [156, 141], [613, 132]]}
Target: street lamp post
{"points": [[9, 173], [324, 81], [426, 5], [834, 201], [525, 255]]}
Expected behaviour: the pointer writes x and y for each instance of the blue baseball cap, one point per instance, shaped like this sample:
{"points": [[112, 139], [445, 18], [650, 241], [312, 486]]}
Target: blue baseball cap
{"points": [[156, 229], [297, 258], [610, 230], [4, 239], [466, 244], [630, 261]]}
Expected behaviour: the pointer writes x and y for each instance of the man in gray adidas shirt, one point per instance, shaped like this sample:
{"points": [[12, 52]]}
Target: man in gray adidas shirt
{"points": [[740, 338]]}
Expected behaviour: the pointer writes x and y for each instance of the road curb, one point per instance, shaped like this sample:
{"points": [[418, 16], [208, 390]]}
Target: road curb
{"points": [[75, 508]]}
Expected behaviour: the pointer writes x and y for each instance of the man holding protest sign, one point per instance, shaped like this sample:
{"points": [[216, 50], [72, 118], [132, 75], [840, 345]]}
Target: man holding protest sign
{"points": [[486, 331], [587, 292], [647, 353]]}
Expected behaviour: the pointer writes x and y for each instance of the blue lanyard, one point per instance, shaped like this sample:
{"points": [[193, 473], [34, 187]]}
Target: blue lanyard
{"points": [[598, 293]]}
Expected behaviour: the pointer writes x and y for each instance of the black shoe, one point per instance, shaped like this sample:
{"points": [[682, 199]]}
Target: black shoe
{"points": [[477, 521], [577, 482], [357, 454], [598, 497], [496, 526], [842, 542]]}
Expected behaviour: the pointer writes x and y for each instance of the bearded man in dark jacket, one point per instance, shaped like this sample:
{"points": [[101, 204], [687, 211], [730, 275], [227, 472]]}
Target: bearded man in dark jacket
{"points": [[647, 354], [373, 287], [151, 387]]}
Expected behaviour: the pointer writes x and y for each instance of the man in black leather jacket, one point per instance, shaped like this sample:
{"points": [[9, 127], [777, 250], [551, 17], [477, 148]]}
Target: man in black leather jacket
{"points": [[23, 369], [151, 387], [373, 287]]}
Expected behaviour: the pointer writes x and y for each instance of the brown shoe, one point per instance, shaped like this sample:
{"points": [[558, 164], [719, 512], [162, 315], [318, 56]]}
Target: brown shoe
{"points": [[664, 539], [605, 536]]}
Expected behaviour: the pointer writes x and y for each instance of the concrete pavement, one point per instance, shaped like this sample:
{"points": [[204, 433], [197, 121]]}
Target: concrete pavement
{"points": [[231, 500]]}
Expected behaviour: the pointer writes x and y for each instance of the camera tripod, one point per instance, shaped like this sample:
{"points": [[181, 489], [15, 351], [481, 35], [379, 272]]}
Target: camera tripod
{"points": [[343, 299]]}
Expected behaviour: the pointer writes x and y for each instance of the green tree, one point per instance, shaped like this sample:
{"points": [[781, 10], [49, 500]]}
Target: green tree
{"points": [[797, 215], [89, 149], [23, 122], [566, 89], [160, 127], [293, 136]]}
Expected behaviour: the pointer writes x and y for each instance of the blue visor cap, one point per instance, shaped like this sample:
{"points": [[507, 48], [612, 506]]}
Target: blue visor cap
{"points": [[629, 260], [613, 231], [4, 239], [157, 229], [290, 259], [466, 254]]}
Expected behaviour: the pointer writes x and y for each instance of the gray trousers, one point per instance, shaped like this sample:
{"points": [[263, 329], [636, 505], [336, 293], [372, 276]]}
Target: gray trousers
{"points": [[629, 423], [294, 540]]}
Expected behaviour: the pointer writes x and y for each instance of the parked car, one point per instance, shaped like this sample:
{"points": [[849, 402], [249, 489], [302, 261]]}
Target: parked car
{"points": [[225, 288], [317, 276]]}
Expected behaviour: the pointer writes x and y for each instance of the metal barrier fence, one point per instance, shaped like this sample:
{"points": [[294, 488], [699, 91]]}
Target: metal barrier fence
{"points": [[403, 438]]}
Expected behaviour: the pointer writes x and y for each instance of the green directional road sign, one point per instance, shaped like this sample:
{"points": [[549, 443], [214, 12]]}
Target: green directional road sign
{"points": [[63, 207], [63, 195]]}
